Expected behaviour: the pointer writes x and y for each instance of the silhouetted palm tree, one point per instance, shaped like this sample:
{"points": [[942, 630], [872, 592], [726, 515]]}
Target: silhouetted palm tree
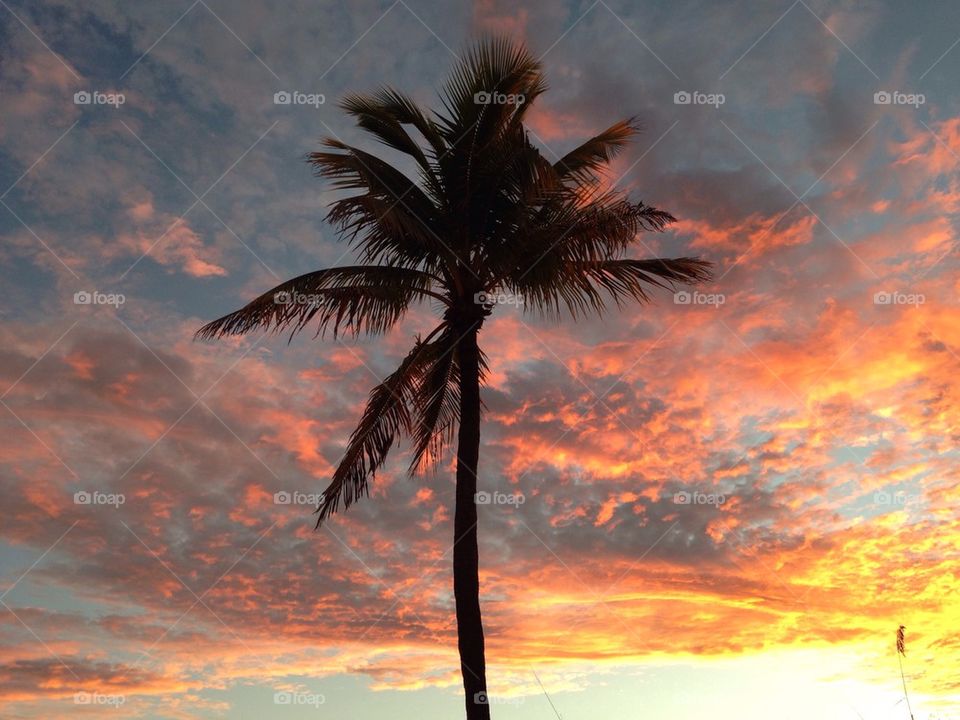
{"points": [[487, 214]]}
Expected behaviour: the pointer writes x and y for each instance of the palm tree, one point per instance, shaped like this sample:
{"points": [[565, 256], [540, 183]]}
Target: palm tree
{"points": [[487, 214]]}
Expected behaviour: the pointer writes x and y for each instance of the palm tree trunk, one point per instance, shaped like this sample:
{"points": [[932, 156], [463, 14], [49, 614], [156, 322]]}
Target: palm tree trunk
{"points": [[466, 561]]}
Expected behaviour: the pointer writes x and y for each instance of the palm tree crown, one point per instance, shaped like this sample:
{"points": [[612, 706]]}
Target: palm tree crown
{"points": [[487, 214]]}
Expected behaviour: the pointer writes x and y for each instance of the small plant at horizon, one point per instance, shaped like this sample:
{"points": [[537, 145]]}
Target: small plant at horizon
{"points": [[488, 217], [902, 653]]}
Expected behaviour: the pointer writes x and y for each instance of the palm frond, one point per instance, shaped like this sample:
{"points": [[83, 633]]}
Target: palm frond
{"points": [[623, 279], [586, 286], [394, 221], [582, 164], [385, 418], [493, 65], [386, 232], [353, 169], [388, 106], [437, 406], [599, 229], [485, 100], [538, 248], [372, 117], [357, 299]]}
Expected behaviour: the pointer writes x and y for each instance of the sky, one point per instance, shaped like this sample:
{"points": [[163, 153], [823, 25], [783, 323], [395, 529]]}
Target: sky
{"points": [[723, 504]]}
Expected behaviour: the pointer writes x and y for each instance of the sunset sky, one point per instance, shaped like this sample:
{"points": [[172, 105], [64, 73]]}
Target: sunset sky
{"points": [[812, 386]]}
